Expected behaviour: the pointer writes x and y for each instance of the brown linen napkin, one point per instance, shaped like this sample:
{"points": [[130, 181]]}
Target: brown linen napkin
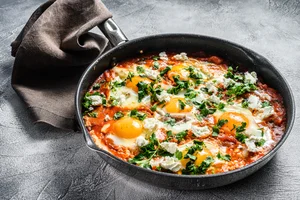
{"points": [[52, 51]]}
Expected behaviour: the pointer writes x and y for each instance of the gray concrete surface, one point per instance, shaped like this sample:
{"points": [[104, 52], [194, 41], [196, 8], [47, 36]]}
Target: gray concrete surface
{"points": [[40, 162]]}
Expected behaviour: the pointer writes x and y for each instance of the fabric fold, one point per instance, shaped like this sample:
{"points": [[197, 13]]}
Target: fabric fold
{"points": [[52, 51]]}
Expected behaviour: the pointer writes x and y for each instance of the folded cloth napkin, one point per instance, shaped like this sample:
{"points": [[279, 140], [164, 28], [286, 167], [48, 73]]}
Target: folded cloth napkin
{"points": [[52, 51]]}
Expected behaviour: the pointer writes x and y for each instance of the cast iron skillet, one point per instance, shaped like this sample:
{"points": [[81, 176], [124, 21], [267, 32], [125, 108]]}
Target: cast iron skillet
{"points": [[237, 54]]}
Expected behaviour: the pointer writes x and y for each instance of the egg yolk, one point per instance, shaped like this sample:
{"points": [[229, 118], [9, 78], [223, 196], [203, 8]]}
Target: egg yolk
{"points": [[180, 71], [234, 120], [200, 157], [128, 128], [134, 81], [174, 106]]}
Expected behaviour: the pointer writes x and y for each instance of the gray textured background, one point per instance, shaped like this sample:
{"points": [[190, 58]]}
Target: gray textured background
{"points": [[41, 162]]}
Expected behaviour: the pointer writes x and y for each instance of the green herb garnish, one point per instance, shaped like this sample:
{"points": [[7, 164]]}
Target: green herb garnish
{"points": [[226, 157], [135, 114], [216, 128], [118, 115], [164, 71]]}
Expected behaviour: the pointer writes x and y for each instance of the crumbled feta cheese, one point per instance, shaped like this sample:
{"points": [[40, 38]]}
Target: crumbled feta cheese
{"points": [[182, 56], [200, 131], [96, 100], [227, 82], [152, 74], [141, 141], [254, 102], [250, 143], [253, 132], [211, 88], [178, 127], [155, 162], [170, 147], [107, 118], [171, 163], [164, 96], [266, 112], [163, 56], [214, 99], [200, 97], [250, 77], [151, 123]]}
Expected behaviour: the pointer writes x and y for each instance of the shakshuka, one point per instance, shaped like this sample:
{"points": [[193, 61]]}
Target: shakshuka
{"points": [[183, 114]]}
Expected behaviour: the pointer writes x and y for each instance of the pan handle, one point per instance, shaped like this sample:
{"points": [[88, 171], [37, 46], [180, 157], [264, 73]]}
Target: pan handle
{"points": [[113, 32]]}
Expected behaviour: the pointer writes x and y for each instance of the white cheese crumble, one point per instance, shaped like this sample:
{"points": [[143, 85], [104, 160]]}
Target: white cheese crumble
{"points": [[167, 162], [211, 88], [141, 141], [151, 123], [170, 147], [164, 96], [107, 118], [250, 77], [163, 56], [96, 100], [200, 131], [152, 74], [200, 98], [266, 112], [182, 56], [254, 102], [227, 82], [214, 99]]}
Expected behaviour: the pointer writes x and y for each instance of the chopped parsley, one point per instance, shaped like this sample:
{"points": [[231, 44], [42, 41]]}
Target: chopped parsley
{"points": [[116, 84], [164, 71], [226, 157], [198, 146], [153, 108], [181, 104], [135, 114], [96, 86], [205, 165], [265, 104], [245, 103], [113, 101], [155, 65], [155, 58], [140, 69], [221, 106], [260, 143], [86, 101], [239, 135], [179, 85], [240, 89], [204, 110], [118, 115], [190, 94], [178, 155], [130, 75], [93, 114], [180, 136], [193, 73], [216, 128], [201, 169], [142, 90], [154, 91], [171, 121]]}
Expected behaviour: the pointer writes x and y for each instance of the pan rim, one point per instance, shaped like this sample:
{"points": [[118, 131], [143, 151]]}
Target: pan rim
{"points": [[271, 153]]}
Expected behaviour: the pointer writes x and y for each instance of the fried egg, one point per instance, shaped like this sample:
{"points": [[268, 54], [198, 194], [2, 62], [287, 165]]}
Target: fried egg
{"points": [[235, 116]]}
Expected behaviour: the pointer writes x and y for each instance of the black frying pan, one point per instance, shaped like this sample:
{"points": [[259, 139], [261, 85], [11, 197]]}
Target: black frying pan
{"points": [[238, 55]]}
